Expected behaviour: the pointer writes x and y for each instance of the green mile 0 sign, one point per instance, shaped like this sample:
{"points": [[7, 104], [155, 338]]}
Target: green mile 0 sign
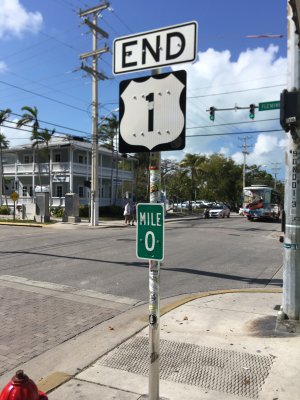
{"points": [[150, 231]]}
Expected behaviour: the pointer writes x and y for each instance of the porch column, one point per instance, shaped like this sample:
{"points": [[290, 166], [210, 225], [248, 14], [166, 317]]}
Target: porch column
{"points": [[51, 176], [33, 175], [71, 168]]}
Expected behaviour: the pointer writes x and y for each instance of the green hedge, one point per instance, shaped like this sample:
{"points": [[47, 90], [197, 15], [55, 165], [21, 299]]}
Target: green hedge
{"points": [[4, 210], [108, 211]]}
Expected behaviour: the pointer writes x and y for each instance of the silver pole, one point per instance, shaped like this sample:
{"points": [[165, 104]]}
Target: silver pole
{"points": [[154, 288], [291, 259], [154, 283]]}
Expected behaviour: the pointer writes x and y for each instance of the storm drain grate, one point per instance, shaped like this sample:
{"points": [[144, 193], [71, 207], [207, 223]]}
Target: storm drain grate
{"points": [[227, 371]]}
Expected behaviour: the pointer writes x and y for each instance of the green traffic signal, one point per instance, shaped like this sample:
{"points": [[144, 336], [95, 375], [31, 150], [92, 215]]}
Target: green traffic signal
{"points": [[212, 113], [252, 111]]}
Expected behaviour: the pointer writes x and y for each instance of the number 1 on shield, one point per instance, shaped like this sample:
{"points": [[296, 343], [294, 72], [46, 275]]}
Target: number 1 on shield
{"points": [[150, 99]]}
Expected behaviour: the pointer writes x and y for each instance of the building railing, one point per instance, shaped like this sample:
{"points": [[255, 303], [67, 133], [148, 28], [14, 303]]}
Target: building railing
{"points": [[63, 168], [58, 201]]}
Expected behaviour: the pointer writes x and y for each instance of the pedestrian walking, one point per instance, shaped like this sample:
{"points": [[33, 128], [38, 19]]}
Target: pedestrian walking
{"points": [[127, 212], [133, 214]]}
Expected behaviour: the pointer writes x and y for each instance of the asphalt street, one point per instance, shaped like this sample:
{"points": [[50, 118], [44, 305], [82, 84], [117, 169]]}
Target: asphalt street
{"points": [[58, 283]]}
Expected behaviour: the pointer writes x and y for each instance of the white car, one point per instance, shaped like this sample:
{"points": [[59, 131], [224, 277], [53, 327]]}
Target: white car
{"points": [[219, 211]]}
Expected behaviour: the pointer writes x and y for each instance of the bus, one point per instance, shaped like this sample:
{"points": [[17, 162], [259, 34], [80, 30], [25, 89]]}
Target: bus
{"points": [[261, 202]]}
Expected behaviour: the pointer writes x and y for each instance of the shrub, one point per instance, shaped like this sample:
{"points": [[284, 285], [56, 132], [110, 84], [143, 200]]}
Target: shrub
{"points": [[4, 210], [84, 211], [111, 211], [57, 212]]}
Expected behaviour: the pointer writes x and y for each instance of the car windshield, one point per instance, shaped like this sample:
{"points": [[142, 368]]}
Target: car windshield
{"points": [[218, 207]]}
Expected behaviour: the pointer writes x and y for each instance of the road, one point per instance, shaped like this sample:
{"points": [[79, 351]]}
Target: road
{"points": [[56, 283]]}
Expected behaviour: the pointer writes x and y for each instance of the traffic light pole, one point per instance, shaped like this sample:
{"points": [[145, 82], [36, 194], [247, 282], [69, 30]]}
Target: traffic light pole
{"points": [[291, 256]]}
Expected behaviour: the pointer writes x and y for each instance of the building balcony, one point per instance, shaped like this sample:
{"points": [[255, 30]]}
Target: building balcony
{"points": [[63, 168]]}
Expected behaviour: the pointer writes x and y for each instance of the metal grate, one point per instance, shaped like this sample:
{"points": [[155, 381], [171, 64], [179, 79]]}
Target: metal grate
{"points": [[227, 371]]}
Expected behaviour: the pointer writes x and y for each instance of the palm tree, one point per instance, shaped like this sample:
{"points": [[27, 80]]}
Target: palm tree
{"points": [[4, 115], [30, 117], [191, 163], [107, 131], [43, 137]]}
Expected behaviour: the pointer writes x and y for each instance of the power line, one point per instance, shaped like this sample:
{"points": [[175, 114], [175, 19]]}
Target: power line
{"points": [[44, 97], [235, 91], [235, 133]]}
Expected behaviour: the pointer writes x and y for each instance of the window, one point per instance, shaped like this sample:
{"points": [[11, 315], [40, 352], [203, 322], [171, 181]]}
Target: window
{"points": [[81, 191], [28, 159], [57, 157], [59, 191], [81, 159]]}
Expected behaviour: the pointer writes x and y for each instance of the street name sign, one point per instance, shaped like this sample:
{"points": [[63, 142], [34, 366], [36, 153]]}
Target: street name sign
{"points": [[150, 231], [269, 105], [153, 113], [157, 48]]}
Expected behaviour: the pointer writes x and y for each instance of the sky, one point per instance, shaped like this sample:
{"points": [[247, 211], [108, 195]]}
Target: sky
{"points": [[41, 43]]}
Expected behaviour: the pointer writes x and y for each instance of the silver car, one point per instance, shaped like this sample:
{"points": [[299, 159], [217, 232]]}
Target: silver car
{"points": [[219, 211]]}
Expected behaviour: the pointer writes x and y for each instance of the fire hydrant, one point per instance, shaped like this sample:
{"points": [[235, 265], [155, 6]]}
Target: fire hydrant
{"points": [[21, 387]]}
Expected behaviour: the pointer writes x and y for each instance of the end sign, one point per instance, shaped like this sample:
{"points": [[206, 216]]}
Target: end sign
{"points": [[152, 49], [150, 231]]}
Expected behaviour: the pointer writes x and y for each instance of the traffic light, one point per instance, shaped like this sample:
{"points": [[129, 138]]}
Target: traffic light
{"points": [[252, 111], [212, 113], [290, 110]]}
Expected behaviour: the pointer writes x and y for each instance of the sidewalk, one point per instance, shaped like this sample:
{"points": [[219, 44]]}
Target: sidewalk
{"points": [[216, 345], [221, 346]]}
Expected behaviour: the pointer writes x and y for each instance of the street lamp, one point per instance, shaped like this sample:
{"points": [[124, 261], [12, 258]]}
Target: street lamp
{"points": [[94, 174]]}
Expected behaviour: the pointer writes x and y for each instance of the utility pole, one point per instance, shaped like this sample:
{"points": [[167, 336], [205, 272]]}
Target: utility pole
{"points": [[291, 256], [245, 153], [275, 170], [95, 53]]}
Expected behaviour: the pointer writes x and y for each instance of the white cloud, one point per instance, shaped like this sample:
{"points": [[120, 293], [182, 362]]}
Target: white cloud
{"points": [[3, 66], [15, 19], [16, 137], [257, 75]]}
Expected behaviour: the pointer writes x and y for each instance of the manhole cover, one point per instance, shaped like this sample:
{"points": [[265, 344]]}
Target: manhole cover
{"points": [[227, 371]]}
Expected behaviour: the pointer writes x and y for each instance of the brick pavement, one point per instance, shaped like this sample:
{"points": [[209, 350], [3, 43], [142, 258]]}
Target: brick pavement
{"points": [[32, 323]]}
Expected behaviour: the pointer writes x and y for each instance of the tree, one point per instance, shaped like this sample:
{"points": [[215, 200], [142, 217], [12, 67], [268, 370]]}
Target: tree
{"points": [[192, 162], [4, 143], [30, 117], [42, 138]]}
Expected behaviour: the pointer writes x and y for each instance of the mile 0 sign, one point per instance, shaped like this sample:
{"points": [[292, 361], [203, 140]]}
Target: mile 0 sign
{"points": [[152, 113]]}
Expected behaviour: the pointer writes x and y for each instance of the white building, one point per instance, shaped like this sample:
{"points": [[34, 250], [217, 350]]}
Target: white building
{"points": [[65, 167]]}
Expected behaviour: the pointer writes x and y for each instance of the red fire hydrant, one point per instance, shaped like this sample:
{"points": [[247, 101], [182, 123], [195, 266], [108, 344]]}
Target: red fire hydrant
{"points": [[21, 387]]}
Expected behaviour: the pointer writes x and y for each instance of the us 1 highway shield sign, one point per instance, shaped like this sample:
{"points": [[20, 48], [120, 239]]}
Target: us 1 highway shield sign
{"points": [[152, 113]]}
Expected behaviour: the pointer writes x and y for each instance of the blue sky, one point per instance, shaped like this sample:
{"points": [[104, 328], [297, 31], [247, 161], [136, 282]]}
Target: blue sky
{"points": [[40, 44]]}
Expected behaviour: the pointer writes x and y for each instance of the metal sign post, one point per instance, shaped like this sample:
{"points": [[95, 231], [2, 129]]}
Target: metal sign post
{"points": [[154, 289], [152, 119]]}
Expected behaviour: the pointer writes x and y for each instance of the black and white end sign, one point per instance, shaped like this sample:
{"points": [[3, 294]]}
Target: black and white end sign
{"points": [[152, 113], [158, 48]]}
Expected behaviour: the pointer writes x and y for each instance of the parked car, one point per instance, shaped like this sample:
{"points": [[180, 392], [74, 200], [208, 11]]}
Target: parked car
{"points": [[219, 211]]}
